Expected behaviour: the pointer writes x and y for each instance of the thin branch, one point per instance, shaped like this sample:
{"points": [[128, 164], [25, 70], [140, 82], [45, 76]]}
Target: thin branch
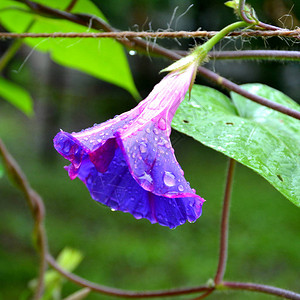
{"points": [[224, 224], [245, 18], [256, 54], [243, 14], [254, 287], [145, 34], [71, 5], [122, 293], [204, 295], [37, 208]]}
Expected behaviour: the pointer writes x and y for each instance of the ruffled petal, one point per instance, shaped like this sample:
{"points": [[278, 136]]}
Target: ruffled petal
{"points": [[118, 190]]}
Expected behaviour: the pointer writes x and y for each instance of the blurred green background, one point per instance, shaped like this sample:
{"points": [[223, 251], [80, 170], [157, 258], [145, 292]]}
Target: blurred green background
{"points": [[120, 251]]}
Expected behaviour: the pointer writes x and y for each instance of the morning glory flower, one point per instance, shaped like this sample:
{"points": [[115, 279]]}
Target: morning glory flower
{"points": [[128, 162]]}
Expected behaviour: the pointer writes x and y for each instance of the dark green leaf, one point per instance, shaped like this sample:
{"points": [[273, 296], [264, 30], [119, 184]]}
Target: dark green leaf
{"points": [[16, 95], [258, 137], [102, 58]]}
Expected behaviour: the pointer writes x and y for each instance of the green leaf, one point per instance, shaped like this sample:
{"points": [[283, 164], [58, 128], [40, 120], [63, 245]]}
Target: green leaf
{"points": [[260, 138], [102, 58], [16, 95]]}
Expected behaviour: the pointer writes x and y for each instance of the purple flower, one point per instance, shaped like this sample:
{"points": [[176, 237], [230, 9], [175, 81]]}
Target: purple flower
{"points": [[128, 162]]}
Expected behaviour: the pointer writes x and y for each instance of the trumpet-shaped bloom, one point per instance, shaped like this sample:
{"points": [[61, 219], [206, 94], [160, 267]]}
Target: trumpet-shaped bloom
{"points": [[128, 162]]}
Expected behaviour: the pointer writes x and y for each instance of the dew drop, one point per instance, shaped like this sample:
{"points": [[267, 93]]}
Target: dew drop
{"points": [[180, 188], [132, 52], [169, 179], [143, 147], [138, 215], [67, 147], [148, 130], [155, 130], [162, 124], [86, 138]]}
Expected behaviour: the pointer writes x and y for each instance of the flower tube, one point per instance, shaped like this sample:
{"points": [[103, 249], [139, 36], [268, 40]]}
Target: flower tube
{"points": [[128, 162]]}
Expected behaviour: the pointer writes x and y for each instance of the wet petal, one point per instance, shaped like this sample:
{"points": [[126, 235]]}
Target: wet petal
{"points": [[118, 190], [151, 161]]}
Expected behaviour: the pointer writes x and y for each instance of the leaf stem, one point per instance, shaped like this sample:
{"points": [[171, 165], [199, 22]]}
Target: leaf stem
{"points": [[224, 224]]}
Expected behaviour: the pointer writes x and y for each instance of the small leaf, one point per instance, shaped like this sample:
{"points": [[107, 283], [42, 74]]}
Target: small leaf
{"points": [[260, 138], [102, 58], [16, 95], [68, 259]]}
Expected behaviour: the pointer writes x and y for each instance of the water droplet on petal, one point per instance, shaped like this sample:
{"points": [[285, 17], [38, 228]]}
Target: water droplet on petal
{"points": [[148, 130], [155, 130], [67, 147], [123, 116], [162, 124], [180, 188], [181, 221], [169, 179], [194, 191], [143, 147], [137, 215]]}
